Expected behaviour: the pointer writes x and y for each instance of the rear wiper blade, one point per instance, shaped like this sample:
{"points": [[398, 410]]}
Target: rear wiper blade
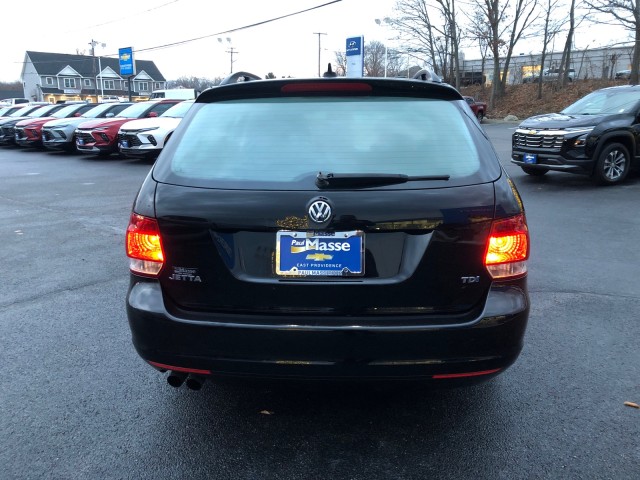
{"points": [[346, 180]]}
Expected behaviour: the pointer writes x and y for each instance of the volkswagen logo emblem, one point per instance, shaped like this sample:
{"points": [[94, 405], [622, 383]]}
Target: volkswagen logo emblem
{"points": [[320, 211]]}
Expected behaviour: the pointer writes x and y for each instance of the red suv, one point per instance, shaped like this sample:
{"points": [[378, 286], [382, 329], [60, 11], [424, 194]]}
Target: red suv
{"points": [[29, 132], [100, 136]]}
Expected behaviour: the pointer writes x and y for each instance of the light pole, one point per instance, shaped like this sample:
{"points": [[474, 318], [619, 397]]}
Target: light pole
{"points": [[93, 44], [319, 49], [386, 21], [231, 51]]}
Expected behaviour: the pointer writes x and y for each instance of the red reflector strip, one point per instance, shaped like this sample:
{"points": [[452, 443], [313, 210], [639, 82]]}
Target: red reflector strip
{"points": [[328, 86], [467, 374], [179, 369]]}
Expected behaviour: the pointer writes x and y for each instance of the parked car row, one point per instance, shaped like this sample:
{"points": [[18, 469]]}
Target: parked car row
{"points": [[131, 129]]}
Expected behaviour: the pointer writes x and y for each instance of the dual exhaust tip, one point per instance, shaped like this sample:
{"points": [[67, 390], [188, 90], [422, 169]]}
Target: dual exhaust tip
{"points": [[193, 382]]}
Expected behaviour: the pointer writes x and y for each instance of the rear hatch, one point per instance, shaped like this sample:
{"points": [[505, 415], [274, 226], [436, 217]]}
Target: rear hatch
{"points": [[409, 185]]}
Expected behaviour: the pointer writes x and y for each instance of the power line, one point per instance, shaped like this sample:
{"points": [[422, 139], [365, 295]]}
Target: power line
{"points": [[115, 20], [245, 27], [182, 42]]}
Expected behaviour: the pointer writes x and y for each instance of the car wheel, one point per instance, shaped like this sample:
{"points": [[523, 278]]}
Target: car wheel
{"points": [[613, 164], [536, 172], [480, 116]]}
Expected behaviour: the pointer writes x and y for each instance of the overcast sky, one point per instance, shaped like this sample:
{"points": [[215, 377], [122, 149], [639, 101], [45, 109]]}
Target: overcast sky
{"points": [[288, 46], [284, 47]]}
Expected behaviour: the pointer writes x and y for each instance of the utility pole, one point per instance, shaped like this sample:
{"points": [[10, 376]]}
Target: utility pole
{"points": [[93, 44], [231, 51], [319, 49]]}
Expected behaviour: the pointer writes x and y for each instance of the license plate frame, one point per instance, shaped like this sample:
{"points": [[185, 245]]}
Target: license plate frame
{"points": [[319, 254]]}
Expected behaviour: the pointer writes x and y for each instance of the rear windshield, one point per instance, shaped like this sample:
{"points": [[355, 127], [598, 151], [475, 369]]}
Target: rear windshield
{"points": [[284, 142]]}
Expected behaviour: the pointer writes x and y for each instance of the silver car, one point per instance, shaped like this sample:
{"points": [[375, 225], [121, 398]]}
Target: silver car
{"points": [[60, 134]]}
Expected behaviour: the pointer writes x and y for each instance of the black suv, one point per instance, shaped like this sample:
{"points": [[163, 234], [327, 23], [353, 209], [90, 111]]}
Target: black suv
{"points": [[598, 135], [352, 228]]}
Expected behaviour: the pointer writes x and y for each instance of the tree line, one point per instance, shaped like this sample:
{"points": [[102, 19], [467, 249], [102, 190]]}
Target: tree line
{"points": [[435, 31]]}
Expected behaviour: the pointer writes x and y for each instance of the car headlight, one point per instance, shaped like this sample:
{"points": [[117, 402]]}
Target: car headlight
{"points": [[585, 130], [583, 133]]}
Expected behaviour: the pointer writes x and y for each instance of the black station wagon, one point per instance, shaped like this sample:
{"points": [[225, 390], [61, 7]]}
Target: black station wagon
{"points": [[328, 228]]}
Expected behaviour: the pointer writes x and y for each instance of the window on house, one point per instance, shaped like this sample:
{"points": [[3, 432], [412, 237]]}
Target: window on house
{"points": [[69, 83], [87, 82], [49, 80], [109, 84], [157, 86], [144, 86]]}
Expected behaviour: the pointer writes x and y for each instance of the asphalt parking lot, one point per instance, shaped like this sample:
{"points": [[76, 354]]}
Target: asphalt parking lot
{"points": [[76, 402]]}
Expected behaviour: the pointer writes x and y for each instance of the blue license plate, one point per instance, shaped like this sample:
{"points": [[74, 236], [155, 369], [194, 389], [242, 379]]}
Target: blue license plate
{"points": [[320, 254], [124, 143], [530, 158], [80, 141]]}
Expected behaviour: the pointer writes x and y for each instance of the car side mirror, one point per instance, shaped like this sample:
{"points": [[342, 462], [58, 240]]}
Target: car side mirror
{"points": [[109, 115], [152, 114], [77, 114]]}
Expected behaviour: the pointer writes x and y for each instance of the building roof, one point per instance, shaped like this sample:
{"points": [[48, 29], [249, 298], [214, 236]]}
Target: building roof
{"points": [[52, 63]]}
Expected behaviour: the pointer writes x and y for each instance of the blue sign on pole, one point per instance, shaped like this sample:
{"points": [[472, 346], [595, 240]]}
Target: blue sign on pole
{"points": [[354, 46], [355, 56], [127, 63]]}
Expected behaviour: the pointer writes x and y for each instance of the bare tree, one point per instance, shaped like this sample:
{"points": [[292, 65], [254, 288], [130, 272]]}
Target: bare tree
{"points": [[627, 14], [430, 28], [341, 63], [551, 29], [197, 83], [506, 19], [478, 31], [377, 60], [565, 62], [374, 59], [448, 12], [412, 20]]}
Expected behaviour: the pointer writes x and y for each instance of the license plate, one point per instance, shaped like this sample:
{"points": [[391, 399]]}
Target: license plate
{"points": [[530, 158], [320, 254], [80, 141], [124, 143]]}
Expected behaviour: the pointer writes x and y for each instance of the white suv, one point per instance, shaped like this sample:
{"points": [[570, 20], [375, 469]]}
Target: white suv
{"points": [[146, 137]]}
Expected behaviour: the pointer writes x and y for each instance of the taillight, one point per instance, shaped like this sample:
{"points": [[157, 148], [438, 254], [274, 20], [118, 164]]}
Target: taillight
{"points": [[508, 247], [144, 246]]}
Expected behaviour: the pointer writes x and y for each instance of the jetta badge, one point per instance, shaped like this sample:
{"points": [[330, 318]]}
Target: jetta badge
{"points": [[320, 211]]}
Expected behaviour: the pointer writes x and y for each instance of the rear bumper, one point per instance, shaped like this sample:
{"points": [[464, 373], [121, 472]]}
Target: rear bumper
{"points": [[305, 348]]}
